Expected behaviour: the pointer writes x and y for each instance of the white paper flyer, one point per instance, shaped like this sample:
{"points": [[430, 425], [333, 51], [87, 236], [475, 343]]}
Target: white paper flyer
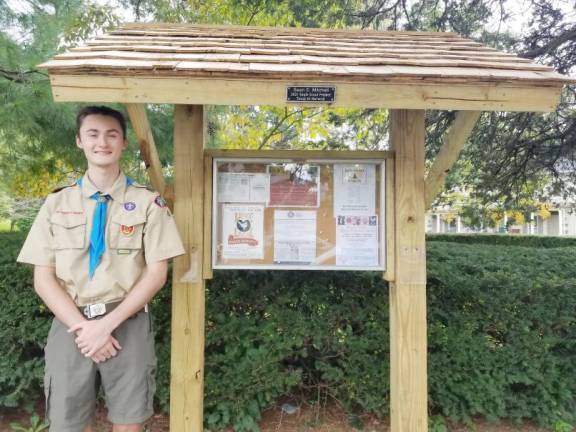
{"points": [[243, 187], [357, 241], [294, 236], [243, 232], [354, 189]]}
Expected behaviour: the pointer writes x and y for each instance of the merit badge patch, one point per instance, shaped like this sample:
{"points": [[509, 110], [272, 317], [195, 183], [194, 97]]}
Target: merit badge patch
{"points": [[129, 206], [127, 230], [160, 202]]}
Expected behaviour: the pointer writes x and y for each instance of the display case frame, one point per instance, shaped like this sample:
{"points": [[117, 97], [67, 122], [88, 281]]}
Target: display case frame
{"points": [[380, 160]]}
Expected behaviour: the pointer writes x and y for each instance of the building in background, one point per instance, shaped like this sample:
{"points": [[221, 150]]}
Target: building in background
{"points": [[561, 221]]}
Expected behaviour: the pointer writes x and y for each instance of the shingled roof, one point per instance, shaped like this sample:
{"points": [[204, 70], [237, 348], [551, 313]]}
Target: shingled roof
{"points": [[231, 65], [296, 53]]}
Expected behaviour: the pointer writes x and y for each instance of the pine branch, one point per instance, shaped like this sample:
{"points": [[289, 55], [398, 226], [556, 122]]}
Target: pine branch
{"points": [[553, 44], [21, 77]]}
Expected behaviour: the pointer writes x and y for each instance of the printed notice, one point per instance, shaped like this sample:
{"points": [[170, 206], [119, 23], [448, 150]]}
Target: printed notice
{"points": [[354, 189], [294, 185], [294, 236], [243, 187], [357, 241], [243, 231]]}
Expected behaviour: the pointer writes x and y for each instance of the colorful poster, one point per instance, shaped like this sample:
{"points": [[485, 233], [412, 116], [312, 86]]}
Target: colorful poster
{"points": [[354, 189], [294, 236], [357, 241], [243, 232], [294, 185], [243, 187]]}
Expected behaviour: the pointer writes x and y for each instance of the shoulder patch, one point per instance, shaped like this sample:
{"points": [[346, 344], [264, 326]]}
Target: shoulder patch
{"points": [[160, 202]]}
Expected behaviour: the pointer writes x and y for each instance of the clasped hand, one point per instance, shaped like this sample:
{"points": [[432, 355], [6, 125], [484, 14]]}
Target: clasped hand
{"points": [[94, 340]]}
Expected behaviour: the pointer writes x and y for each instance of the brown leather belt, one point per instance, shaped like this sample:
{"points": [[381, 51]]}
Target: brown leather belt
{"points": [[96, 310]]}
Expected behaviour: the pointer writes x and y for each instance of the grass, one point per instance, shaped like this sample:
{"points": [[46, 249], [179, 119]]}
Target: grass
{"points": [[5, 225]]}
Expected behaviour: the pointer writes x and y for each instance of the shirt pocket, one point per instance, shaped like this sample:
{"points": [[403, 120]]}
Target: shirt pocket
{"points": [[126, 231], [69, 230]]}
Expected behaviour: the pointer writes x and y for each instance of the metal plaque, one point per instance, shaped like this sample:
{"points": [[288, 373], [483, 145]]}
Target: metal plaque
{"points": [[317, 94]]}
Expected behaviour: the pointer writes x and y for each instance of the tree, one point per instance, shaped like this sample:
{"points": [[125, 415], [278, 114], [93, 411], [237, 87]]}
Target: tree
{"points": [[526, 150]]}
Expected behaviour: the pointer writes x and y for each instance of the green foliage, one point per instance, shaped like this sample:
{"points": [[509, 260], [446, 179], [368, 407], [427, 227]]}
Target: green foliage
{"points": [[502, 337], [36, 425], [24, 324], [501, 332], [533, 241], [562, 426], [437, 424]]}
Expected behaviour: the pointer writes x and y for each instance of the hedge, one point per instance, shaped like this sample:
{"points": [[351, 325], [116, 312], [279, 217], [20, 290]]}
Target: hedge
{"points": [[502, 337], [506, 240]]}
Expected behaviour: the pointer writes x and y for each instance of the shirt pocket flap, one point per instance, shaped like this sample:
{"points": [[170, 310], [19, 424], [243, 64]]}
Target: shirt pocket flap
{"points": [[68, 220], [126, 231], [69, 230], [130, 219]]}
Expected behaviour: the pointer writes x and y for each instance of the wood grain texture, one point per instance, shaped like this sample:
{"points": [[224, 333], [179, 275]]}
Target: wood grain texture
{"points": [[148, 150], [453, 95], [452, 145], [208, 197], [258, 52], [188, 297], [389, 274], [299, 155], [408, 344]]}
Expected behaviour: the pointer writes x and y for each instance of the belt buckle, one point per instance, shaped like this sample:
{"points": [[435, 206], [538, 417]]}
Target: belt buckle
{"points": [[94, 310]]}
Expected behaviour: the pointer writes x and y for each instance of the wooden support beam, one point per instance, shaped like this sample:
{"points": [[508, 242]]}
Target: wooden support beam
{"points": [[390, 237], [207, 269], [299, 154], [408, 345], [148, 151], [187, 378], [453, 143], [221, 91]]}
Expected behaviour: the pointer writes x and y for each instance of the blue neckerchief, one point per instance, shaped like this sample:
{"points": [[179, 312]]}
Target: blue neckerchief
{"points": [[97, 235], [97, 244]]}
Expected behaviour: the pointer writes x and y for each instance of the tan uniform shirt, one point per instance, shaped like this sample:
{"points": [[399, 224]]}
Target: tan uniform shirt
{"points": [[139, 229]]}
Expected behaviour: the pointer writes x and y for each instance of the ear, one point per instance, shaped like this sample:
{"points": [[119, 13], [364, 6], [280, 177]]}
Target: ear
{"points": [[125, 145], [78, 142]]}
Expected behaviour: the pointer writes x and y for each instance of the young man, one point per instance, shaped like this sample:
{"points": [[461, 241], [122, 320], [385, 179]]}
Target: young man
{"points": [[100, 249]]}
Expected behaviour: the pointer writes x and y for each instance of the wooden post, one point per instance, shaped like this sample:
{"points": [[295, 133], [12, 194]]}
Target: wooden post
{"points": [[408, 347], [187, 378]]}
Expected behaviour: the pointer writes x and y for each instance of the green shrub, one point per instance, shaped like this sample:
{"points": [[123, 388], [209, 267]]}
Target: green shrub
{"points": [[536, 241], [502, 333], [24, 324]]}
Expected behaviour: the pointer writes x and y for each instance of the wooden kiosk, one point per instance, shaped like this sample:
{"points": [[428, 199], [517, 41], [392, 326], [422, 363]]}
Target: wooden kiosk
{"points": [[407, 72]]}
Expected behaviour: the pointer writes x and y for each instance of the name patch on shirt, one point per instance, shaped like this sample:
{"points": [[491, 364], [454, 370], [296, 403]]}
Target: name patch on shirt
{"points": [[124, 251], [69, 212]]}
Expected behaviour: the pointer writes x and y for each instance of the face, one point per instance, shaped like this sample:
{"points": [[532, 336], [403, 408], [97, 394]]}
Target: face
{"points": [[102, 140]]}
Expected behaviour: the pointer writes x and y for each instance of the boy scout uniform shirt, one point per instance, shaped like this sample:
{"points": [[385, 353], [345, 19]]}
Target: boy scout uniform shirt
{"points": [[139, 230]]}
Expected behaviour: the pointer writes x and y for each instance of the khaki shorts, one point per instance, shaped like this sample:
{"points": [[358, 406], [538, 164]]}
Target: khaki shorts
{"points": [[128, 380]]}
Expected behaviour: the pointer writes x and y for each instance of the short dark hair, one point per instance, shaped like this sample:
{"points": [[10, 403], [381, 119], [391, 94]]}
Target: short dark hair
{"points": [[100, 110]]}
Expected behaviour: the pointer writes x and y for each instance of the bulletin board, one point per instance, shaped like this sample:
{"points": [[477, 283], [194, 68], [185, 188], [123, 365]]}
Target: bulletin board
{"points": [[298, 214]]}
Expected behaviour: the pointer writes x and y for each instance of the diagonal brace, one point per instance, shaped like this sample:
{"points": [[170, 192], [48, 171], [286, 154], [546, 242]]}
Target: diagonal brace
{"points": [[452, 145], [148, 151]]}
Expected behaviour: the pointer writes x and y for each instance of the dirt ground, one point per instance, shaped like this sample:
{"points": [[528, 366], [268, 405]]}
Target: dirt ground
{"points": [[306, 419]]}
